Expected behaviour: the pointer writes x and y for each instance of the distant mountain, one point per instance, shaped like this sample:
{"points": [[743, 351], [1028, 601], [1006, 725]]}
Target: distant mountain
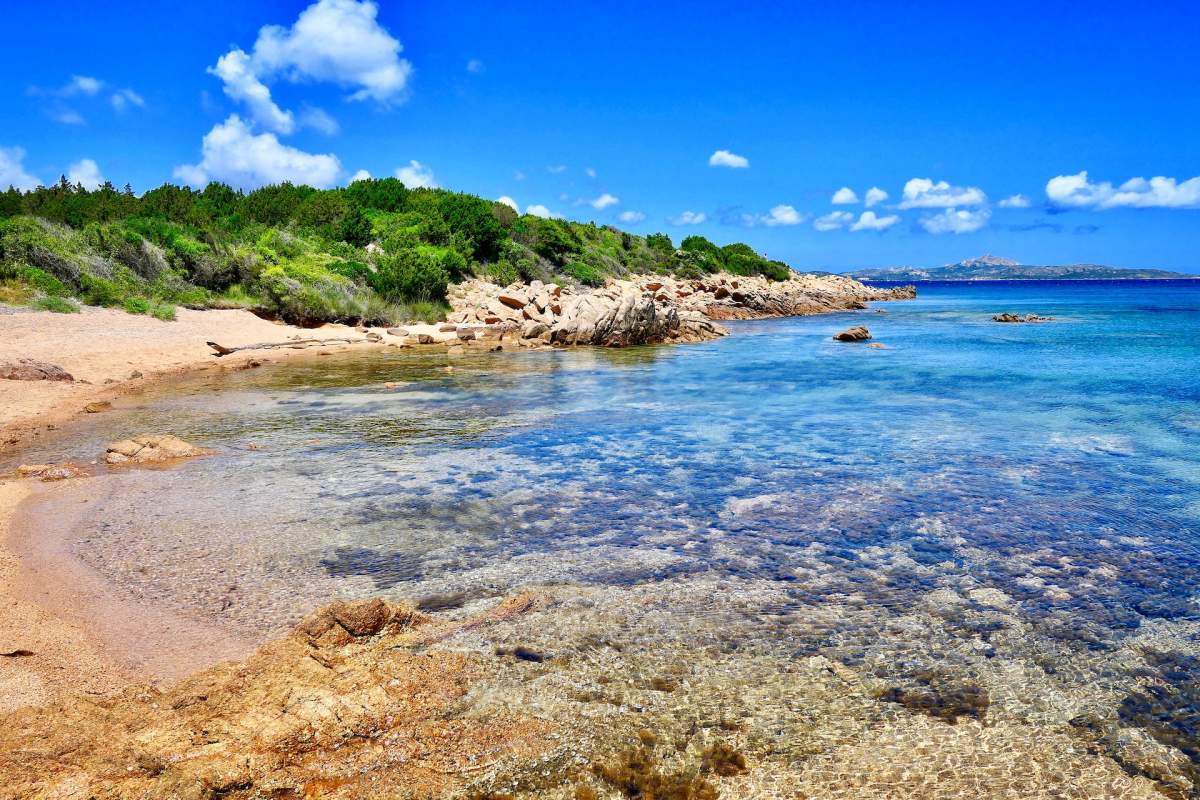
{"points": [[995, 268]]}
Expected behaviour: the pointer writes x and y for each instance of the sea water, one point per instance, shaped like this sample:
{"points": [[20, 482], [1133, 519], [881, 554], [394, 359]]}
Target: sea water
{"points": [[1008, 506]]}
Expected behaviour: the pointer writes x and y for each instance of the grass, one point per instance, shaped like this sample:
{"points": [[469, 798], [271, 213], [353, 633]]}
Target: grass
{"points": [[56, 304]]}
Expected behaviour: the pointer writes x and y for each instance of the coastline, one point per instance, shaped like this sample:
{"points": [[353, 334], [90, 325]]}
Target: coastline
{"points": [[589, 699]]}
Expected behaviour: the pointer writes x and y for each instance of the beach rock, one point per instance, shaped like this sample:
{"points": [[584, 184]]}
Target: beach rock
{"points": [[397, 332], [877, 346], [514, 300], [855, 334], [151, 449], [648, 309], [424, 338], [26, 369], [97, 407], [533, 329], [50, 472]]}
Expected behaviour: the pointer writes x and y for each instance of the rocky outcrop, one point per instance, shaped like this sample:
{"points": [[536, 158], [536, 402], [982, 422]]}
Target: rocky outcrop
{"points": [[856, 334], [351, 704], [151, 450], [1006, 317], [26, 369], [647, 309]]}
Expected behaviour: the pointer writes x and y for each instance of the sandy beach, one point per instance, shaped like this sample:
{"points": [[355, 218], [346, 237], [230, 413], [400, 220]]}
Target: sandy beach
{"points": [[81, 634]]}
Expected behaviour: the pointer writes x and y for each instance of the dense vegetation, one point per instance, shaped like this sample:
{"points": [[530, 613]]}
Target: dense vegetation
{"points": [[374, 251]]}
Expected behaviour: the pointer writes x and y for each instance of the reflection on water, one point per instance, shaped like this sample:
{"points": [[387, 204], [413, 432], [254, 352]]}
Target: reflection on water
{"points": [[985, 522]]}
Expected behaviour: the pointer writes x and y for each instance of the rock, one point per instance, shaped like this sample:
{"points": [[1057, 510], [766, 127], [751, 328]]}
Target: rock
{"points": [[447, 328], [533, 329], [856, 334], [1006, 317], [389, 385], [877, 346], [50, 472], [151, 449], [466, 334], [397, 331], [424, 338], [514, 300], [26, 369], [98, 406]]}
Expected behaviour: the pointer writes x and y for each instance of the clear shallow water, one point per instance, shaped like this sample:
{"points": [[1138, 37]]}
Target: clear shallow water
{"points": [[1012, 507]]}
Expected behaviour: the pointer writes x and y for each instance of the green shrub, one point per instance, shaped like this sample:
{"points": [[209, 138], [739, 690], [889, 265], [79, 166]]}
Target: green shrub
{"points": [[502, 273], [410, 275], [137, 305], [163, 311], [584, 273], [58, 305], [43, 281]]}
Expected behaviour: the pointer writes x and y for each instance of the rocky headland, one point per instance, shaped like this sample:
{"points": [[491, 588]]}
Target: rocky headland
{"points": [[647, 309]]}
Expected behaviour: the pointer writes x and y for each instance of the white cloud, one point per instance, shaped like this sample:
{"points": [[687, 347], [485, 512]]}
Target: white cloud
{"points": [[319, 120], [632, 217], [1076, 191], [869, 222], [783, 215], [924, 193], [67, 116], [335, 41], [539, 210], [955, 220], [833, 220], [688, 218], [590, 172], [475, 66], [604, 201], [874, 196], [232, 153], [557, 169], [724, 158], [1016, 201], [416, 175], [241, 83], [82, 84], [339, 41], [519, 175], [508, 201], [87, 173], [361, 175], [123, 99], [844, 196], [12, 170]]}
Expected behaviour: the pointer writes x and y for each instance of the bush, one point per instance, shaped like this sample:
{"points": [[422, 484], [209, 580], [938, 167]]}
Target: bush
{"points": [[56, 304], [163, 311], [410, 275], [584, 273], [137, 305]]}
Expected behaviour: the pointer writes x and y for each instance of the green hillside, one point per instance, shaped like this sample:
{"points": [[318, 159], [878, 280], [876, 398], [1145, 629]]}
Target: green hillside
{"points": [[374, 251]]}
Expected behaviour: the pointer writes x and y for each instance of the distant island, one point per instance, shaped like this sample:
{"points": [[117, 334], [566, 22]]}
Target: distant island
{"points": [[995, 268]]}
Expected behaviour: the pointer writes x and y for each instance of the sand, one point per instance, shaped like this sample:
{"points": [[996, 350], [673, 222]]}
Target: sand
{"points": [[104, 348], [49, 602]]}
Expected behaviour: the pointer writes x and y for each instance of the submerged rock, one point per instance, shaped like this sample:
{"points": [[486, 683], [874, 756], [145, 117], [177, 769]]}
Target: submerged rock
{"points": [[855, 334], [26, 369], [151, 449]]}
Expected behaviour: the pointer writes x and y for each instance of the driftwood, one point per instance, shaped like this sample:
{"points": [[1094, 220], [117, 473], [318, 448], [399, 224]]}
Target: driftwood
{"points": [[294, 344]]}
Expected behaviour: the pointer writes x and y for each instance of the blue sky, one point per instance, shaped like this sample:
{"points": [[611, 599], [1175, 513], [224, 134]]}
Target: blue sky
{"points": [[620, 108]]}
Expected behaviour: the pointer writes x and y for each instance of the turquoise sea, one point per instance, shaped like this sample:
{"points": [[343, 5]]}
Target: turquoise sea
{"points": [[1012, 510]]}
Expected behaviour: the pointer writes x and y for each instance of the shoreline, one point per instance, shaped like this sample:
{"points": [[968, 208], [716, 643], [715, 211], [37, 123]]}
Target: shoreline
{"points": [[45, 580]]}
